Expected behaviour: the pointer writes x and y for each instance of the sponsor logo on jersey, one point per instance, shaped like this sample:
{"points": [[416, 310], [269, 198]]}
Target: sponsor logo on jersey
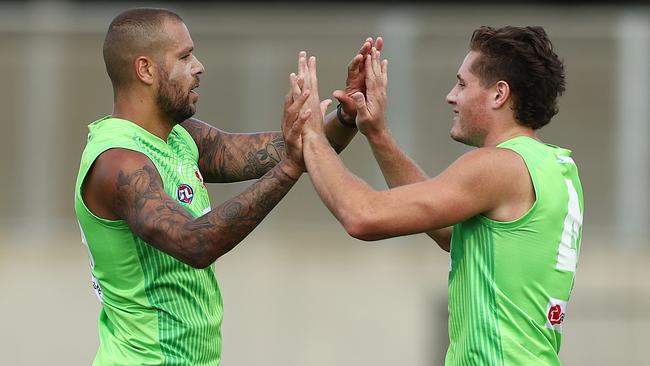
{"points": [[555, 312], [98, 289], [184, 193], [199, 176]]}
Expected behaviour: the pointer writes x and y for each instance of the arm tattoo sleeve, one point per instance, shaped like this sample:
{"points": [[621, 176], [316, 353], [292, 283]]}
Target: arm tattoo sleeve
{"points": [[259, 162], [231, 157], [162, 222]]}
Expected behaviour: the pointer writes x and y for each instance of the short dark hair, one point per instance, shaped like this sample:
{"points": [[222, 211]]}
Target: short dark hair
{"points": [[132, 33], [524, 58]]}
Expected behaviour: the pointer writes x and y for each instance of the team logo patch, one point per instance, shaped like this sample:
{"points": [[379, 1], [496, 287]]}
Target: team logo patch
{"points": [[184, 193], [555, 312]]}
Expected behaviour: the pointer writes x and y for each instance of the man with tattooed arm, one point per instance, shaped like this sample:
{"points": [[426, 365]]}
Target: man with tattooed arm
{"points": [[141, 199]]}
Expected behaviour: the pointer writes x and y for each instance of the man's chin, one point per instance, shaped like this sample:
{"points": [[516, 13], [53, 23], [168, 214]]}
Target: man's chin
{"points": [[181, 117], [461, 139], [455, 135]]}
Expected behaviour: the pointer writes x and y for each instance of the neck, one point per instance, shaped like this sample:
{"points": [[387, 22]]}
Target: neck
{"points": [[511, 130], [142, 111]]}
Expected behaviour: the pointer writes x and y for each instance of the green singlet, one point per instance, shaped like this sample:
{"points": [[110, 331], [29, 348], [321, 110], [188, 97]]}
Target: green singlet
{"points": [[156, 310], [510, 282]]}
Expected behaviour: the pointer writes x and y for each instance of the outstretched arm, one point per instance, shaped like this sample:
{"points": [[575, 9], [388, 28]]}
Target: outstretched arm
{"points": [[476, 183], [232, 157], [125, 185], [397, 167], [480, 182]]}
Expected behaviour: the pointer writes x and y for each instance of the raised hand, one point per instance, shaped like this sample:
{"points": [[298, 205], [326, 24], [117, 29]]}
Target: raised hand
{"points": [[307, 80], [371, 107], [293, 119], [356, 80]]}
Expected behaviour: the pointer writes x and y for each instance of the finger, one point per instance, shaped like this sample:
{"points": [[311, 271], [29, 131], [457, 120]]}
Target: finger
{"points": [[301, 82], [360, 104], [302, 55], [312, 74], [376, 69], [384, 70], [299, 123], [295, 88], [346, 101], [379, 44], [305, 115], [368, 69], [342, 97], [288, 99], [285, 109], [357, 61], [365, 48], [298, 103], [302, 66], [298, 127]]}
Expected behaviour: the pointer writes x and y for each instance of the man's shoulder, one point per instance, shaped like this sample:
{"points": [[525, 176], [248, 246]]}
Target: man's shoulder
{"points": [[493, 170], [491, 159], [109, 131]]}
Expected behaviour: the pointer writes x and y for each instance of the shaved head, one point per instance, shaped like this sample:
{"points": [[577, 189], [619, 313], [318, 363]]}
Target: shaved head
{"points": [[134, 33]]}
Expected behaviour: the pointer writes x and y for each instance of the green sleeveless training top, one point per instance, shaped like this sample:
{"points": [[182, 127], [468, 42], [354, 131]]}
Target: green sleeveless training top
{"points": [[509, 282], [156, 310]]}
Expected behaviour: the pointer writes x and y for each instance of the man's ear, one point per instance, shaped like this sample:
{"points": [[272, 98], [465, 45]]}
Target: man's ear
{"points": [[144, 69], [501, 95]]}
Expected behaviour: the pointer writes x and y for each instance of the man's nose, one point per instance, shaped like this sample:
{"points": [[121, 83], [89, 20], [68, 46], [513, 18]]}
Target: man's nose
{"points": [[451, 97], [198, 68]]}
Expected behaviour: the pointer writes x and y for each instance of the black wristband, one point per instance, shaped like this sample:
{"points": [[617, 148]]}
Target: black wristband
{"points": [[343, 121]]}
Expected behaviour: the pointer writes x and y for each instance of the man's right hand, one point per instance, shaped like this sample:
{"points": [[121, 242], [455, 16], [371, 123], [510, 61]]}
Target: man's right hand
{"points": [[356, 80], [371, 107], [293, 120]]}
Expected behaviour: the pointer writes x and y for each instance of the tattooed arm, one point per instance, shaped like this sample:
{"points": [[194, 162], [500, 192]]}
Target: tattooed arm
{"points": [[232, 157], [124, 184]]}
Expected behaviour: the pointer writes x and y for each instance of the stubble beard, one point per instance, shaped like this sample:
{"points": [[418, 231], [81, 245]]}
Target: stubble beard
{"points": [[173, 101], [468, 135]]}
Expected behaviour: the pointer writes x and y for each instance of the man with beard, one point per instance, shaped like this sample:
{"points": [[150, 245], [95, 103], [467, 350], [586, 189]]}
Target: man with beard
{"points": [[509, 212], [142, 205]]}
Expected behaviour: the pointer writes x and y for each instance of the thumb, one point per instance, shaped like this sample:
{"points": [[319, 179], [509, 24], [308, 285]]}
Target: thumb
{"points": [[341, 96], [299, 124], [360, 104], [344, 99]]}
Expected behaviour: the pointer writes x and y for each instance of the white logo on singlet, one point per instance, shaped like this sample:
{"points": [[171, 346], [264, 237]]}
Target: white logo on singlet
{"points": [[98, 289]]}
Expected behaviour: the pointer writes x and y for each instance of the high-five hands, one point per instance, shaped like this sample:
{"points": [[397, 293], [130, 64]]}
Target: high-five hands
{"points": [[293, 119], [371, 107], [364, 95], [308, 80], [356, 80]]}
